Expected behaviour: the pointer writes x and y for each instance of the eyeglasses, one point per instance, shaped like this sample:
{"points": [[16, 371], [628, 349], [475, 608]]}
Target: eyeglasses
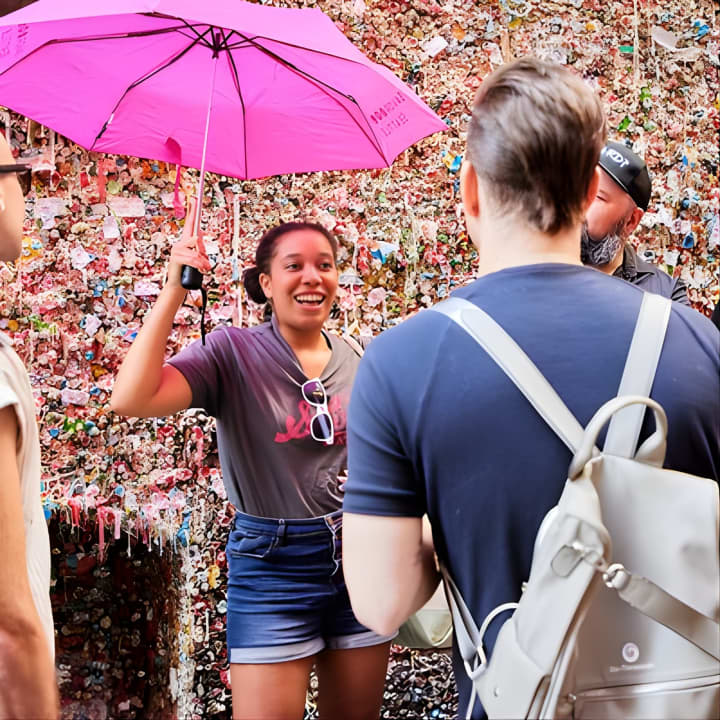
{"points": [[23, 175], [321, 426]]}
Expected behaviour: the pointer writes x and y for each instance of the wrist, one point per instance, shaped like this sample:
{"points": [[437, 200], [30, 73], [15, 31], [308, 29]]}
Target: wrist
{"points": [[173, 293]]}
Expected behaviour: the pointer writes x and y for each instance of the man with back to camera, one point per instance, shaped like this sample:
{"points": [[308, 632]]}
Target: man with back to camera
{"points": [[622, 199], [436, 427], [27, 642]]}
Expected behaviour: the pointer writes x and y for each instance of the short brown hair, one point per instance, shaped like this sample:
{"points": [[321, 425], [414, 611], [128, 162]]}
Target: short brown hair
{"points": [[534, 140]]}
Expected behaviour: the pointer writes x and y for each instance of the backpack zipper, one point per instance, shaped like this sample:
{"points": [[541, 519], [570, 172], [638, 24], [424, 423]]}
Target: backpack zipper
{"points": [[628, 691]]}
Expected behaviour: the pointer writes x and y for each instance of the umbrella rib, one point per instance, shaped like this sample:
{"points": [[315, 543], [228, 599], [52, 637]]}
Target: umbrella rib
{"points": [[92, 38], [373, 140], [236, 80], [298, 47], [200, 36], [252, 42], [140, 80]]}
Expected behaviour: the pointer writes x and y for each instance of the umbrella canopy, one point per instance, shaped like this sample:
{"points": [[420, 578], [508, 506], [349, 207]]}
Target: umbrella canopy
{"points": [[263, 90]]}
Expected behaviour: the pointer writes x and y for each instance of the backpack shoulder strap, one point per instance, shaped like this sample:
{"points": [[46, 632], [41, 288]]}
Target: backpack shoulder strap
{"points": [[639, 373], [517, 366]]}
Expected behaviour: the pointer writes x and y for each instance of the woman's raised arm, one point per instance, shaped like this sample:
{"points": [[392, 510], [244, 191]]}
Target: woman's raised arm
{"points": [[145, 386]]}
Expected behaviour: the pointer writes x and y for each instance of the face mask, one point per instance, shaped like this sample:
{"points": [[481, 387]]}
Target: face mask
{"points": [[602, 251]]}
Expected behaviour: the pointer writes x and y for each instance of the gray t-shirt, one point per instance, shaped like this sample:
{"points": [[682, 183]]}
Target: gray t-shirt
{"points": [[250, 380]]}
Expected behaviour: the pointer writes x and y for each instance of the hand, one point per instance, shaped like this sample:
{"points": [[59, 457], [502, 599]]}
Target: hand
{"points": [[188, 250]]}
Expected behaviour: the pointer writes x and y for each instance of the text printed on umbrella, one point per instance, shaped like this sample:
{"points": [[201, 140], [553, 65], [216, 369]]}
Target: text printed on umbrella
{"points": [[387, 115]]}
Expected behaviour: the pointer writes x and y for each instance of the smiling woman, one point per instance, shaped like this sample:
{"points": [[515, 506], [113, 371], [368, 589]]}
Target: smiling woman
{"points": [[279, 392], [299, 258]]}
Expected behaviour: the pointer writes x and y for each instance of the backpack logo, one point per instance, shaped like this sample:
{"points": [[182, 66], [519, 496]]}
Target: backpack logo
{"points": [[630, 652]]}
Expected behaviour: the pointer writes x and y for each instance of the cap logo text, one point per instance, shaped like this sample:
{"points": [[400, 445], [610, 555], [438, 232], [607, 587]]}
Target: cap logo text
{"points": [[616, 157]]}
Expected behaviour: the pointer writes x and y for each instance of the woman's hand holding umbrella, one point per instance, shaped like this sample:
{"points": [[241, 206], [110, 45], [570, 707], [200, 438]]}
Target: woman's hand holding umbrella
{"points": [[188, 250], [145, 386]]}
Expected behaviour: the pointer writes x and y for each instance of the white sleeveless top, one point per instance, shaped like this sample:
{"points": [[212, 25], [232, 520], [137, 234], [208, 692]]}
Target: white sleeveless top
{"points": [[15, 390]]}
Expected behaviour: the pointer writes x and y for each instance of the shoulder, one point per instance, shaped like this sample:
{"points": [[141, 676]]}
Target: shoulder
{"points": [[658, 274], [690, 359], [700, 326], [655, 278], [8, 393], [13, 376], [357, 344], [647, 267], [228, 337], [8, 357], [421, 327], [401, 357], [231, 335], [15, 390]]}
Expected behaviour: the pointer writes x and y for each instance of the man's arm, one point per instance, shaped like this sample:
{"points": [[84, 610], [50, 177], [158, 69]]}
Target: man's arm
{"points": [[388, 554], [27, 675], [389, 566]]}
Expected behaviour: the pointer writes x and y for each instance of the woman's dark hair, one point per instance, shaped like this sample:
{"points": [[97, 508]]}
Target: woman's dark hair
{"points": [[265, 252]]}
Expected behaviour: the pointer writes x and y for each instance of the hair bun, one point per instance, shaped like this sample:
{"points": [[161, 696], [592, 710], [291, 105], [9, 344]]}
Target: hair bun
{"points": [[251, 282]]}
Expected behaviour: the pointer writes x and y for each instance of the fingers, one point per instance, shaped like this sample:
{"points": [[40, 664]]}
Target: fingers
{"points": [[190, 248], [194, 259], [189, 227], [188, 238], [201, 245]]}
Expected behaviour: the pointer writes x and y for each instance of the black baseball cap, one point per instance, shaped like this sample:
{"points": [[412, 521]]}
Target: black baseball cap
{"points": [[628, 170]]}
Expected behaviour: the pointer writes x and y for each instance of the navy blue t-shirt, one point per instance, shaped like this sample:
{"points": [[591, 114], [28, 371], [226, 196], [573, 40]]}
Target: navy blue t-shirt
{"points": [[436, 427]]}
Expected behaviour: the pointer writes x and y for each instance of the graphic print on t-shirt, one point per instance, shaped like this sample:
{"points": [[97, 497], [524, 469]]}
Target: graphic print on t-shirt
{"points": [[297, 425]]}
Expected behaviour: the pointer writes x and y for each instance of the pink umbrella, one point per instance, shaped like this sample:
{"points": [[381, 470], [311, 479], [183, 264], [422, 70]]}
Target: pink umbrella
{"points": [[231, 87]]}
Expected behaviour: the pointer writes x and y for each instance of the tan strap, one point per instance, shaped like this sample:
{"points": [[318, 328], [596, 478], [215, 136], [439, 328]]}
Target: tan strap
{"points": [[651, 600], [517, 366], [639, 373]]}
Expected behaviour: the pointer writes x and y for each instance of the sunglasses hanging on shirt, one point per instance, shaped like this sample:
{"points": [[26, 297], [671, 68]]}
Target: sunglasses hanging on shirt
{"points": [[321, 426]]}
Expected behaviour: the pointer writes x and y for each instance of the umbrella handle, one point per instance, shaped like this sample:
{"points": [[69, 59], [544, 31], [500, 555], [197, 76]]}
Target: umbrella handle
{"points": [[191, 278]]}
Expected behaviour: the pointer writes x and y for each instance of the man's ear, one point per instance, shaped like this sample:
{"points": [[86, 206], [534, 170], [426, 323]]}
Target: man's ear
{"points": [[632, 220], [469, 190], [265, 284], [592, 189]]}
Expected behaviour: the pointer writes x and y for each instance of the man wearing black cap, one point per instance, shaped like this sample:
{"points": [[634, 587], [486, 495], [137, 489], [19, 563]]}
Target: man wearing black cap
{"points": [[622, 199]]}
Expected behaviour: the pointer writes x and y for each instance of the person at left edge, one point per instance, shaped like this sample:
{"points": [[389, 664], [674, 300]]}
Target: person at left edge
{"points": [[279, 392], [28, 688]]}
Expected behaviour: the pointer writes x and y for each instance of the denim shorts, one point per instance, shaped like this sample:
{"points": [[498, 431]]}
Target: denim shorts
{"points": [[286, 596]]}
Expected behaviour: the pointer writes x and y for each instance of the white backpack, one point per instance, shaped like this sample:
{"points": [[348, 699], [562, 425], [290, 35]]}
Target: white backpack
{"points": [[619, 618]]}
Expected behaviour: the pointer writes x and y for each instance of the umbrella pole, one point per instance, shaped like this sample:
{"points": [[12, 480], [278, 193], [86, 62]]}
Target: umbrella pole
{"points": [[201, 180], [191, 278]]}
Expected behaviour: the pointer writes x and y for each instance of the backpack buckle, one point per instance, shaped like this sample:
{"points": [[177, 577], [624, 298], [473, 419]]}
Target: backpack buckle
{"points": [[568, 557], [616, 577]]}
